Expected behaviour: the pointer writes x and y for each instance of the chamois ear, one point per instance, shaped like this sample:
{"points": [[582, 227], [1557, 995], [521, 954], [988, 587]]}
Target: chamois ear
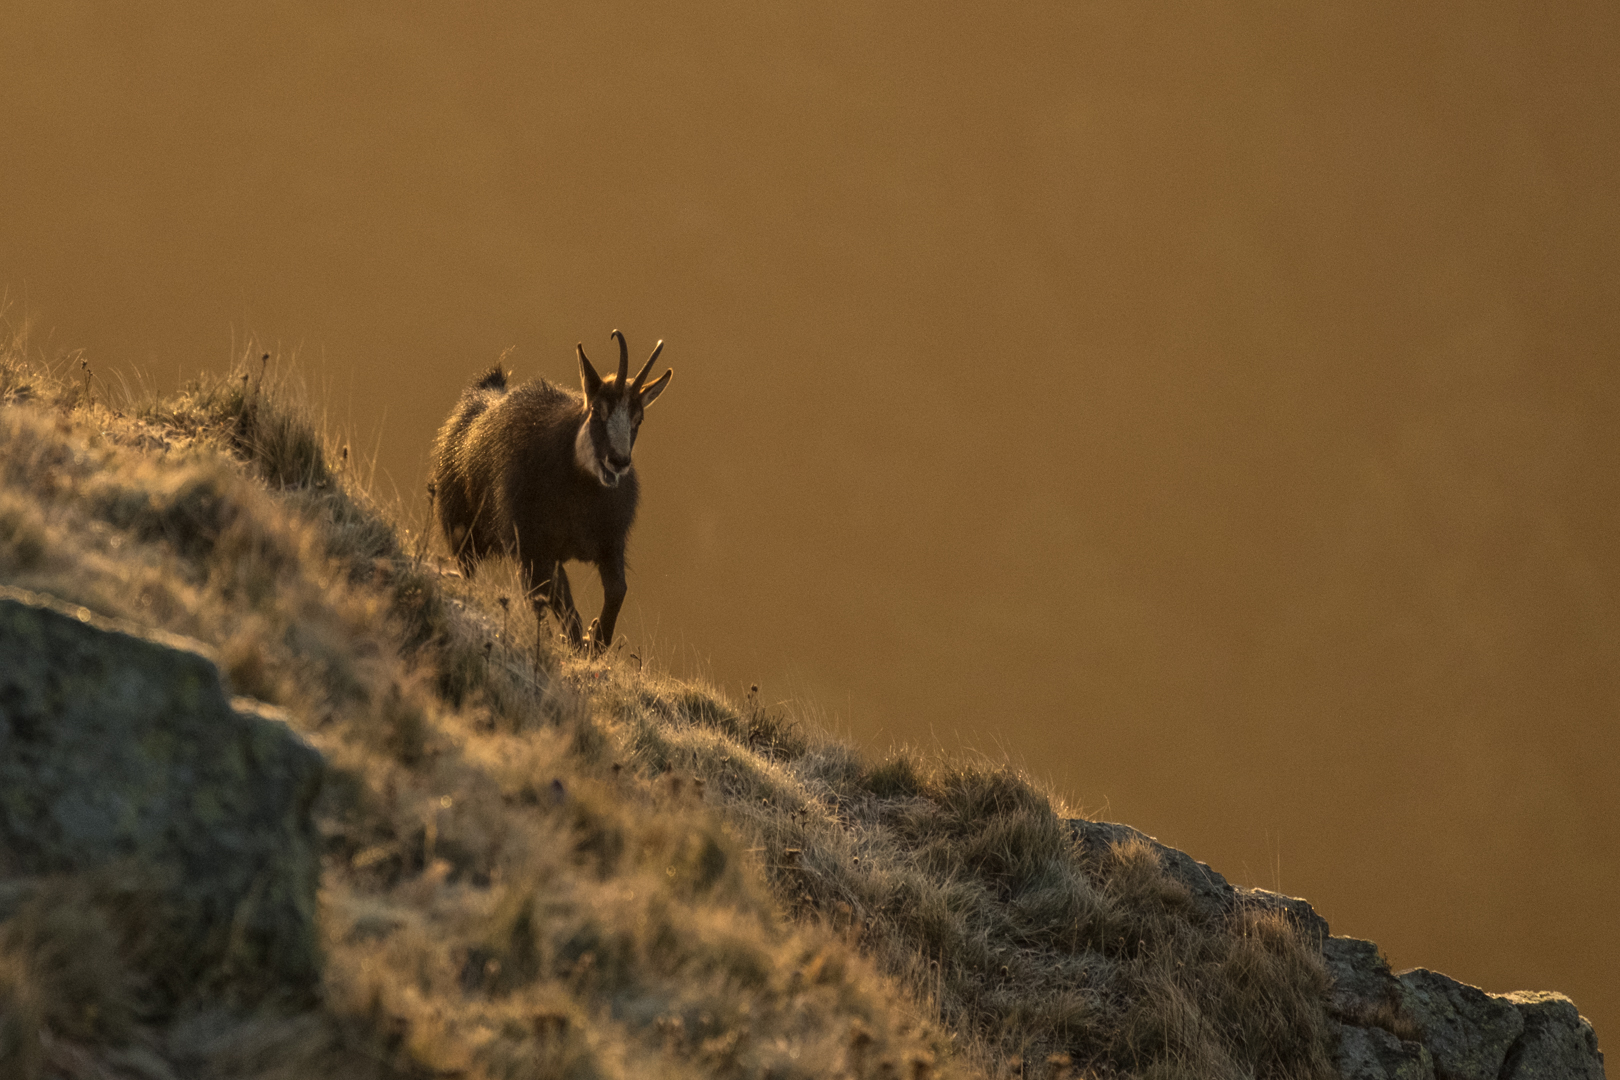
{"points": [[588, 377], [656, 387]]}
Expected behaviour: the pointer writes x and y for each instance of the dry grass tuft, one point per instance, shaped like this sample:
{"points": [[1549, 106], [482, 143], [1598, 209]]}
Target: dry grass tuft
{"points": [[539, 865]]}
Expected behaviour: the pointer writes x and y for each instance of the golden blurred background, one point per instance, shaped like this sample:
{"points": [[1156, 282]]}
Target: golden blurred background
{"points": [[1213, 408]]}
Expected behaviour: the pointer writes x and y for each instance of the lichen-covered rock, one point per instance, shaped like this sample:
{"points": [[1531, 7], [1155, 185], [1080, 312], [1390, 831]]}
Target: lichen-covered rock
{"points": [[1468, 1031], [1311, 925], [120, 745], [1374, 1054], [1211, 894], [1462, 1032], [1557, 1044], [1362, 980]]}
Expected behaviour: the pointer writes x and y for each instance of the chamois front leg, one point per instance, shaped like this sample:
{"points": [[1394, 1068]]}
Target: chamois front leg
{"points": [[613, 590], [550, 591]]}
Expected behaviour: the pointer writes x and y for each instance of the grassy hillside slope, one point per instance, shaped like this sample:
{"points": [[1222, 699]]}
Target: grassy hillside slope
{"points": [[537, 864]]}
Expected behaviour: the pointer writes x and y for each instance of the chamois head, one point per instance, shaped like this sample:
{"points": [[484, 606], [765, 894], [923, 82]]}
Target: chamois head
{"points": [[613, 408]]}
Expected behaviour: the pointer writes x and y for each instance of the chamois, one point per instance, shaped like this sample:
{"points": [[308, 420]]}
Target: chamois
{"points": [[543, 473]]}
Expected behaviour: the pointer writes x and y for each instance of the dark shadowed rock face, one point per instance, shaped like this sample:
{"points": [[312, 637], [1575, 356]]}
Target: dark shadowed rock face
{"points": [[1419, 1025], [1468, 1031], [1372, 1053], [1463, 1032], [1362, 980], [119, 745], [1556, 1041]]}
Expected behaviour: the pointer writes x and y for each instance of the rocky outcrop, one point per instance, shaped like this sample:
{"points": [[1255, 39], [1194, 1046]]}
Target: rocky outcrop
{"points": [[1371, 1053], [1363, 984], [1418, 1025], [121, 746], [1468, 1031], [1211, 894], [1364, 998], [1556, 1042]]}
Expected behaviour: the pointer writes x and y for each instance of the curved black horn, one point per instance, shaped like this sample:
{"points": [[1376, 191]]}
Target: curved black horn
{"points": [[624, 357], [636, 386]]}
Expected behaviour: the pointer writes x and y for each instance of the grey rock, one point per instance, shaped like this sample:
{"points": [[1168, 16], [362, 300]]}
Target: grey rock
{"points": [[1362, 979], [1303, 916], [138, 1061], [1374, 1054], [1466, 1034], [121, 746], [1212, 895], [1468, 1031], [1558, 1043]]}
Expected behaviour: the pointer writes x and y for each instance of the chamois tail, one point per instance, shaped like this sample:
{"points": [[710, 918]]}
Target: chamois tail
{"points": [[493, 379]]}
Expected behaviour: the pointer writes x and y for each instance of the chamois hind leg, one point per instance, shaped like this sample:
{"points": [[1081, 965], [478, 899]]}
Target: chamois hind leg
{"points": [[549, 589]]}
